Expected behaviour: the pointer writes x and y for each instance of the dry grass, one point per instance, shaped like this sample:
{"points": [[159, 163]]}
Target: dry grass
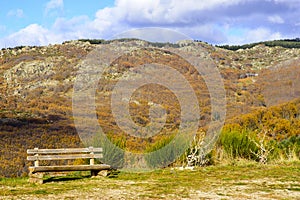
{"points": [[241, 180]]}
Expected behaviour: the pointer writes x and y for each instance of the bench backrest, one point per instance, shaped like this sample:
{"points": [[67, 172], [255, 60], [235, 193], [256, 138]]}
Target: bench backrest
{"points": [[64, 154]]}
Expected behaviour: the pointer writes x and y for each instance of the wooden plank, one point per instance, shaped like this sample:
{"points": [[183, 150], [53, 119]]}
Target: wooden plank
{"points": [[68, 150], [63, 157], [69, 168]]}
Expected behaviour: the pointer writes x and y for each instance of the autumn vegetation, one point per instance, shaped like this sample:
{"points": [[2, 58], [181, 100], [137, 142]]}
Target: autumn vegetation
{"points": [[36, 106], [286, 43]]}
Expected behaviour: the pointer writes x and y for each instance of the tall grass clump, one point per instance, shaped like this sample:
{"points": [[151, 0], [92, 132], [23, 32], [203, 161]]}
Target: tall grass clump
{"points": [[238, 144], [113, 150], [255, 145], [166, 151]]}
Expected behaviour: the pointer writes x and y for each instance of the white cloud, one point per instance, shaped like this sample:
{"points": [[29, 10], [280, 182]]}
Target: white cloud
{"points": [[54, 5], [291, 3], [214, 21], [254, 35], [33, 34], [77, 27], [19, 13], [175, 14], [165, 11], [262, 34], [276, 19]]}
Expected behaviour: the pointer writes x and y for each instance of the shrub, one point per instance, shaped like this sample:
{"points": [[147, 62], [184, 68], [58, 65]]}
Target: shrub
{"points": [[238, 144], [288, 148]]}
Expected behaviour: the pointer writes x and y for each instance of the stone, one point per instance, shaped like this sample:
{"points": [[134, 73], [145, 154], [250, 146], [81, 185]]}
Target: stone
{"points": [[36, 178]]}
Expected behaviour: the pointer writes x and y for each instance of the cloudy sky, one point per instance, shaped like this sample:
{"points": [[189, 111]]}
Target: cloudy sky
{"points": [[41, 22]]}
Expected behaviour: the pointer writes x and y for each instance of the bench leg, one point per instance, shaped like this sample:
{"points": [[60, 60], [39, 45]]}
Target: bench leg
{"points": [[94, 173], [36, 178]]}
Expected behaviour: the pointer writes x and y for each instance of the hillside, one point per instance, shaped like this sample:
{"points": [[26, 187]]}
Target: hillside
{"points": [[37, 86]]}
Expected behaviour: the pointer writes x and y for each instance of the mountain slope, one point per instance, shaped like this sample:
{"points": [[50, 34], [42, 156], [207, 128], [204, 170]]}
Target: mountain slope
{"points": [[37, 87]]}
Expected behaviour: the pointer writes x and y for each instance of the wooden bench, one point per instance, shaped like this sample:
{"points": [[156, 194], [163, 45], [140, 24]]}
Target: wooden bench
{"points": [[36, 172]]}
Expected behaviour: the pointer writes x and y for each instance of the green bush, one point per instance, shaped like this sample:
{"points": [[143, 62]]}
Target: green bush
{"points": [[286, 43], [288, 148], [238, 144]]}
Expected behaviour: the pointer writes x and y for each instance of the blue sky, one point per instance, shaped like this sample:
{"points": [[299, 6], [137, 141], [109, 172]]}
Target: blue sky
{"points": [[41, 22]]}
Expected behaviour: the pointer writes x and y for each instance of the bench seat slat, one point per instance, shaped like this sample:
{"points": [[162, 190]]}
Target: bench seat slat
{"points": [[64, 157], [69, 150], [68, 168]]}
